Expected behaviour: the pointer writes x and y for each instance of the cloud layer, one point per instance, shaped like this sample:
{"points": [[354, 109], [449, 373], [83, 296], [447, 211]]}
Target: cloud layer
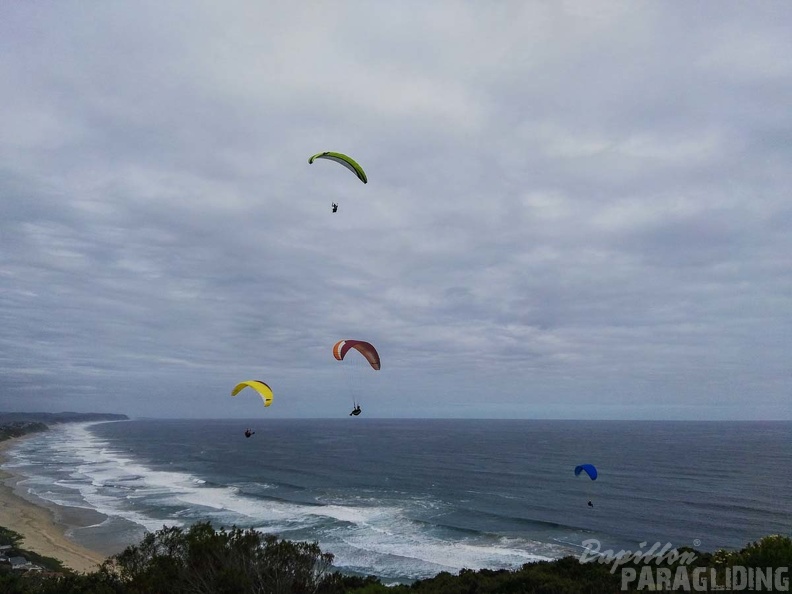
{"points": [[571, 211]]}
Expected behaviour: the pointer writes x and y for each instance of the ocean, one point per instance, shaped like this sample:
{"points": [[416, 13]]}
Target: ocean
{"points": [[405, 499]]}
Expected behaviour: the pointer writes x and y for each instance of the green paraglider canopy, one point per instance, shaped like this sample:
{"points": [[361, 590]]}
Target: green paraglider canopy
{"points": [[344, 160]]}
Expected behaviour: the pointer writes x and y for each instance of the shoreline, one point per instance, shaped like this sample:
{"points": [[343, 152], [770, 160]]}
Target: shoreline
{"points": [[44, 527]]}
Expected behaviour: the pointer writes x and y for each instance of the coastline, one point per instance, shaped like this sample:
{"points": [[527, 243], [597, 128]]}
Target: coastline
{"points": [[42, 527]]}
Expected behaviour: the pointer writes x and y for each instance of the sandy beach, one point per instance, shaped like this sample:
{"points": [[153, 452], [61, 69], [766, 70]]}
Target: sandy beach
{"points": [[42, 531]]}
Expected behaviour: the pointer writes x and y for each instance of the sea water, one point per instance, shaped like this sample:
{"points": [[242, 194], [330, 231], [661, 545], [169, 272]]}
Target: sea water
{"points": [[405, 499]]}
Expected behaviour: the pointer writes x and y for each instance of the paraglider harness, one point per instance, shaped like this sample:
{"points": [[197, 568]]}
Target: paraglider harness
{"points": [[335, 206], [356, 410], [248, 432]]}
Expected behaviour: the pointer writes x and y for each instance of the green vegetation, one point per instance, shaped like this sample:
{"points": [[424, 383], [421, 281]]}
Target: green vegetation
{"points": [[9, 537], [17, 424], [60, 417], [20, 428], [201, 560]]}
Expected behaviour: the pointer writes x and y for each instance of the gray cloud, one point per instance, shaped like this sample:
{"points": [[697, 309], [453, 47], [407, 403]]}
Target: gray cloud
{"points": [[573, 210]]}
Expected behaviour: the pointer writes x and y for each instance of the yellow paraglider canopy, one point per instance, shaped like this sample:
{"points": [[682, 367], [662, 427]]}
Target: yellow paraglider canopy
{"points": [[263, 389]]}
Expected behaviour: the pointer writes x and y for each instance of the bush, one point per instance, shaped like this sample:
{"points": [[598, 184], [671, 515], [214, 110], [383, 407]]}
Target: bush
{"points": [[203, 560]]}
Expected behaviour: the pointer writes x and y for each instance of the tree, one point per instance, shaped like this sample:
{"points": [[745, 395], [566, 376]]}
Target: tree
{"points": [[203, 560]]}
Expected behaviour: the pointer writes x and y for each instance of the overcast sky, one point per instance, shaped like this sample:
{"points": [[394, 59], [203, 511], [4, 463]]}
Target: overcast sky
{"points": [[574, 209]]}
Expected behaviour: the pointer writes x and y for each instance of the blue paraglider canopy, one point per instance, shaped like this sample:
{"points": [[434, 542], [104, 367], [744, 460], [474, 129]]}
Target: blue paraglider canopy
{"points": [[588, 469]]}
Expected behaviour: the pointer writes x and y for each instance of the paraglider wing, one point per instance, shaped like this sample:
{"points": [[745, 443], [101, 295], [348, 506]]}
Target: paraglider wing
{"points": [[341, 348], [263, 389], [344, 160], [588, 469]]}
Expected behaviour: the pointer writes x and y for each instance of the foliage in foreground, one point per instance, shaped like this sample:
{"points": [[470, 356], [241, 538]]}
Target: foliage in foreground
{"points": [[14, 539], [201, 560]]}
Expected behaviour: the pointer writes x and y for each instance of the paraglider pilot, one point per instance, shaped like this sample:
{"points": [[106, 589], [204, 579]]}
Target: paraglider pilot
{"points": [[590, 504], [335, 206], [356, 411], [248, 432]]}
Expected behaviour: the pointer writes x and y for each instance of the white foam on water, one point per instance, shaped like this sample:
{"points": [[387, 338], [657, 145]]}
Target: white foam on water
{"points": [[398, 546], [352, 515], [366, 534], [114, 484]]}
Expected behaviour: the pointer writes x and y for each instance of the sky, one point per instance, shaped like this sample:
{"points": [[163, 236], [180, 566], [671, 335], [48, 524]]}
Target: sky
{"points": [[574, 210]]}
